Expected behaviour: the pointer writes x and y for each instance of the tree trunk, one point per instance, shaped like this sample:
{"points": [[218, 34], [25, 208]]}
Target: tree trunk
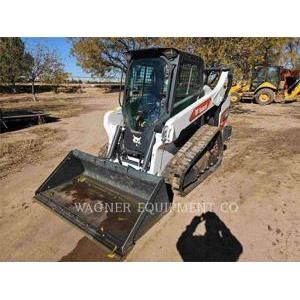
{"points": [[33, 91], [13, 87]]}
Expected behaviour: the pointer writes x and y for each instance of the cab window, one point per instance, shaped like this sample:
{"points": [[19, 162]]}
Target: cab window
{"points": [[273, 75], [188, 85]]}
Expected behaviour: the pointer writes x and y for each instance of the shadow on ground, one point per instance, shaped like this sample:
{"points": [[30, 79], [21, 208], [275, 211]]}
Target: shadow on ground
{"points": [[217, 244], [13, 120]]}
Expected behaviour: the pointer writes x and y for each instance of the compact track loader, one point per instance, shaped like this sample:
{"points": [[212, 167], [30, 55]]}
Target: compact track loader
{"points": [[167, 135]]}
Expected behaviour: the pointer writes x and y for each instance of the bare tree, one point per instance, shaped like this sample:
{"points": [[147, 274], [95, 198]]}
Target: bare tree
{"points": [[44, 65]]}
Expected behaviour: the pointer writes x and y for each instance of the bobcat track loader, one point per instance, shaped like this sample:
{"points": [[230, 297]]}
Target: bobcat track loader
{"points": [[166, 136]]}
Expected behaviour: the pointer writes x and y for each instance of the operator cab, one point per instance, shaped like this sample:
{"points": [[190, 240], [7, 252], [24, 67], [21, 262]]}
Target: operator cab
{"points": [[263, 74], [146, 92], [160, 82]]}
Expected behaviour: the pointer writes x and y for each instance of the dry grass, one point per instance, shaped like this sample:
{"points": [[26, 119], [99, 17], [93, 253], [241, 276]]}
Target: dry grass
{"points": [[20, 148], [56, 107], [28, 146], [61, 105]]}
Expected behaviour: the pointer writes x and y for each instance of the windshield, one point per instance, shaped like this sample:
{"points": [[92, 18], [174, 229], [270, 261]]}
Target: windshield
{"points": [[146, 92], [270, 74], [273, 75], [259, 74]]}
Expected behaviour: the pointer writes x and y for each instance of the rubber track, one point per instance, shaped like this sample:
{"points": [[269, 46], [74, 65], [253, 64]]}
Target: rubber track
{"points": [[188, 155]]}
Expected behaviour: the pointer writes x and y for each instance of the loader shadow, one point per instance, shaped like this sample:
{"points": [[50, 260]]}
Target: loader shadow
{"points": [[218, 244], [88, 251]]}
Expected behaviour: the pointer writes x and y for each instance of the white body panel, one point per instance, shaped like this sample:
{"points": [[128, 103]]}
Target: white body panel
{"points": [[112, 119], [174, 126]]}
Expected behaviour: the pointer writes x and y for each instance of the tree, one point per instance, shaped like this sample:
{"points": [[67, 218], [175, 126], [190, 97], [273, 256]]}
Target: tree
{"points": [[13, 60], [45, 66], [291, 57], [56, 77], [99, 56], [241, 54], [102, 55]]}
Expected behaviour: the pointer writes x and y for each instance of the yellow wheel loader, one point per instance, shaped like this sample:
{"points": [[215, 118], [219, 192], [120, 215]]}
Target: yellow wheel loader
{"points": [[237, 91], [167, 135], [268, 84]]}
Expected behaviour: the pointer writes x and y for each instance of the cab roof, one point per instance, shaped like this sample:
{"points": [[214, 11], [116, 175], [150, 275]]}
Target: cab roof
{"points": [[169, 53]]}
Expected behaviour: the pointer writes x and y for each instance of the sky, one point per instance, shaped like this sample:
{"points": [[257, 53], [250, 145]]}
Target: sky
{"points": [[62, 47]]}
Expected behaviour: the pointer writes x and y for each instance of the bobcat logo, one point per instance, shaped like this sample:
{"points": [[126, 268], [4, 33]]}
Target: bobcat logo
{"points": [[136, 140]]}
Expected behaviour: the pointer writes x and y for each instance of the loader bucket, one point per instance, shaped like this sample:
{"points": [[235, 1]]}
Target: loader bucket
{"points": [[111, 203]]}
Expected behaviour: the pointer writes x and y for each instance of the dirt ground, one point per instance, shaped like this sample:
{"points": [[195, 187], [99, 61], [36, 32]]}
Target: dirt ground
{"points": [[252, 200]]}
